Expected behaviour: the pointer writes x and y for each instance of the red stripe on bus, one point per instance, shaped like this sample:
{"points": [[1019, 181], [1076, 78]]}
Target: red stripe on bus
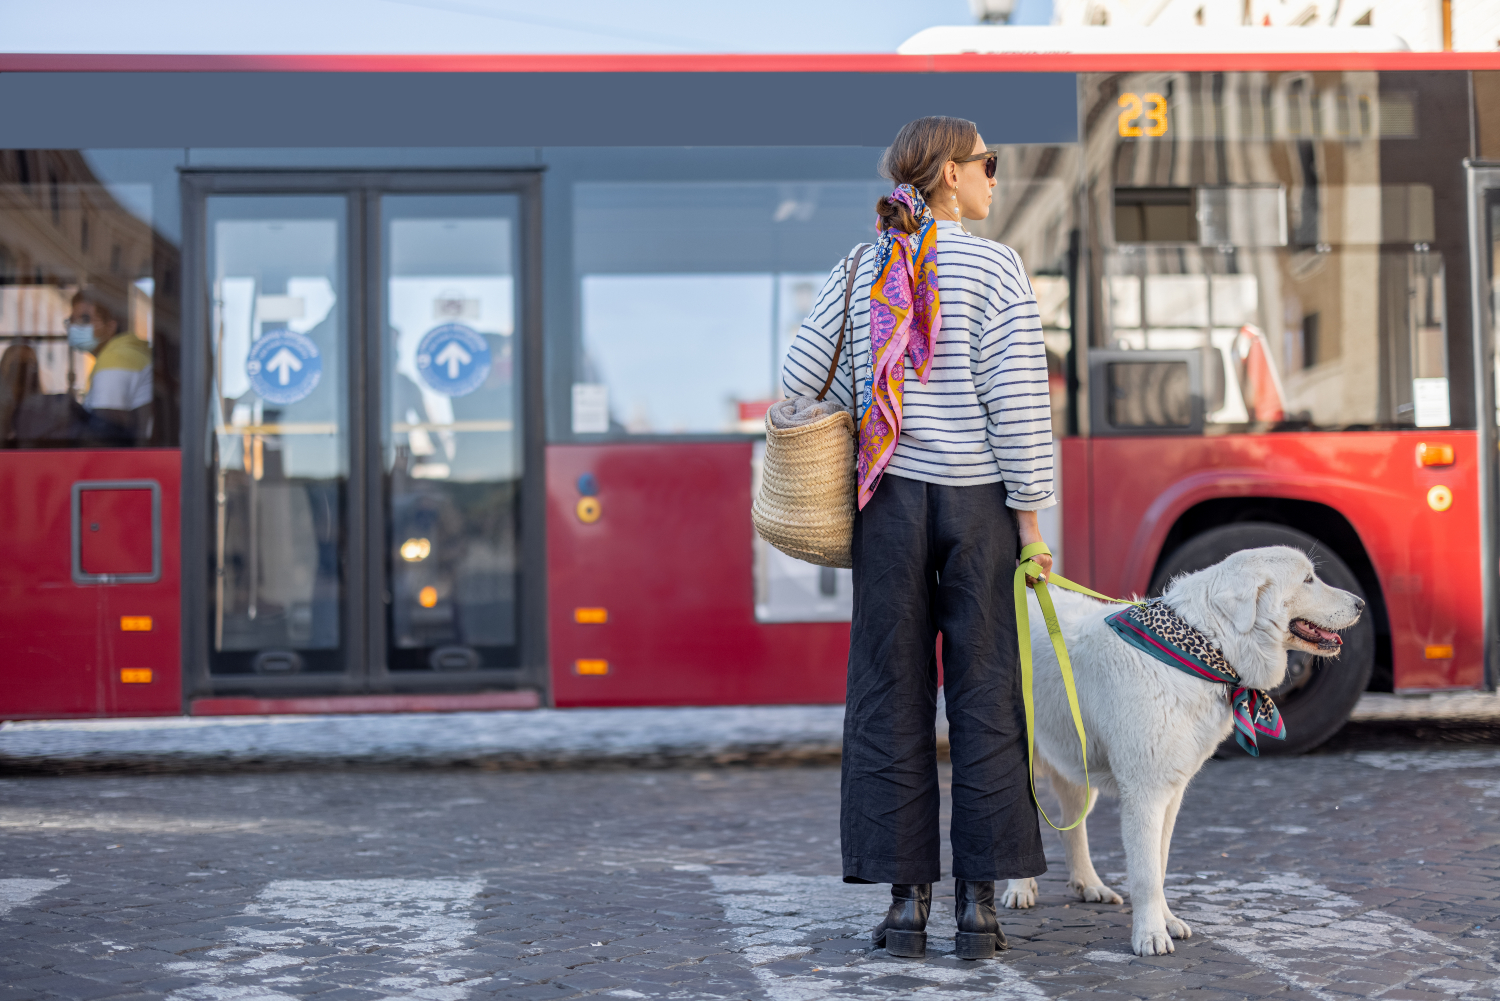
{"points": [[743, 63]]}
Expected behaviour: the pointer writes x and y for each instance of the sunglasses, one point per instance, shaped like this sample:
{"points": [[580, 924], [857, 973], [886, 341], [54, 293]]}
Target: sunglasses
{"points": [[990, 157]]}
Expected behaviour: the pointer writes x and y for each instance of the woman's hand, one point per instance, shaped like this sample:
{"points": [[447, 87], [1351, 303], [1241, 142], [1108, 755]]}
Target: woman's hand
{"points": [[1031, 532]]}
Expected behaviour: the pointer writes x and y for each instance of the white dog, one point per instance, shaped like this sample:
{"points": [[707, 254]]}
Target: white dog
{"points": [[1152, 726]]}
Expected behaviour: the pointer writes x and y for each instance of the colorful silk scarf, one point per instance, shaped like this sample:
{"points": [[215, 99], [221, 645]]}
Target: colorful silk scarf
{"points": [[1155, 629], [904, 318]]}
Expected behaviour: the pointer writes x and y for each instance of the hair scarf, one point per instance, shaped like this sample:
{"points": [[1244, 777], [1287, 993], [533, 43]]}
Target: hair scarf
{"points": [[903, 310]]}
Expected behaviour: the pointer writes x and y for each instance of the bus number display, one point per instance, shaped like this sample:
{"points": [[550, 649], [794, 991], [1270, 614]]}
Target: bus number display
{"points": [[1155, 108]]}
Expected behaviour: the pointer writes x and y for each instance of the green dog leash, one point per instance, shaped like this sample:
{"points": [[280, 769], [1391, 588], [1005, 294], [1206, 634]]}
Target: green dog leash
{"points": [[1030, 567]]}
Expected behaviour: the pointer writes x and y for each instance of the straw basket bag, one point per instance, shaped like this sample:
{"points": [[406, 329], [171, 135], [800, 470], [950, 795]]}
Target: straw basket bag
{"points": [[806, 503]]}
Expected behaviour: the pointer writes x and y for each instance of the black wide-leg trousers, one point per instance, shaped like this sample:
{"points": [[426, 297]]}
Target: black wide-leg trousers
{"points": [[931, 558]]}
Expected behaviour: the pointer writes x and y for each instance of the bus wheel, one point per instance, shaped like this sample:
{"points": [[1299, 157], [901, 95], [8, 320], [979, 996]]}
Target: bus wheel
{"points": [[1319, 692]]}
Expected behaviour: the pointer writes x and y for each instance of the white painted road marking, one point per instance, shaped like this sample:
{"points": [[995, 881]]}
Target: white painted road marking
{"points": [[1491, 787], [1428, 761], [15, 892], [1291, 926], [128, 822], [424, 922], [1305, 934], [782, 916]]}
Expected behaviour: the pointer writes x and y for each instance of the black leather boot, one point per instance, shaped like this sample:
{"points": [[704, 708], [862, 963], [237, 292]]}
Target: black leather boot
{"points": [[904, 931], [979, 934]]}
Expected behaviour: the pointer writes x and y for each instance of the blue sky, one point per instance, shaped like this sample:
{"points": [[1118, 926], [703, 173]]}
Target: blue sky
{"points": [[479, 26]]}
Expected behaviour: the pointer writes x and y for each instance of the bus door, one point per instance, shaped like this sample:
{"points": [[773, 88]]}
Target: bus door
{"points": [[89, 468], [359, 499], [1484, 270]]}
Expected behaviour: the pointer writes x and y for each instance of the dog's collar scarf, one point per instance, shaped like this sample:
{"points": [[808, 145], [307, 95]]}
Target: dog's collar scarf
{"points": [[1155, 629]]}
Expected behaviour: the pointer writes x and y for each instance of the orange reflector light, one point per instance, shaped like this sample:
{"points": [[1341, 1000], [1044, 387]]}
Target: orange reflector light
{"points": [[135, 623], [427, 597], [591, 616], [1434, 455], [135, 675], [1440, 653], [591, 666]]}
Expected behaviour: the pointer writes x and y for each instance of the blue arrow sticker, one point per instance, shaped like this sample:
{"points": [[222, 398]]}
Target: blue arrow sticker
{"points": [[453, 359], [284, 366]]}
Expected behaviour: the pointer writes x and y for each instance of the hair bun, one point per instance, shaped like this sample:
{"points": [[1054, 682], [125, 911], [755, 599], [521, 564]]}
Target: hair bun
{"points": [[895, 215]]}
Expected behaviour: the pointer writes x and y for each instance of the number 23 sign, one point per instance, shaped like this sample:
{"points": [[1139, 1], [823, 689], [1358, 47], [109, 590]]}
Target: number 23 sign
{"points": [[1155, 107]]}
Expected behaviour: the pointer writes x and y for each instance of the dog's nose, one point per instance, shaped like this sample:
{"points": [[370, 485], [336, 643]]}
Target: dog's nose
{"points": [[1359, 604]]}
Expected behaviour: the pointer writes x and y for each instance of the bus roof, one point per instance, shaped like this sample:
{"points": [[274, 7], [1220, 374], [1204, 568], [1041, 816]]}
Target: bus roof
{"points": [[995, 38]]}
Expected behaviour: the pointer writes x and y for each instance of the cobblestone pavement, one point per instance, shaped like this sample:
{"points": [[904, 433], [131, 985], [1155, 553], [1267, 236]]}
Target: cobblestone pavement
{"points": [[1371, 872]]}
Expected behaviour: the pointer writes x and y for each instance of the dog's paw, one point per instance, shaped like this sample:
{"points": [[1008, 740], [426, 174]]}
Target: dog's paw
{"points": [[1178, 928], [1095, 893], [1151, 942], [1019, 894]]}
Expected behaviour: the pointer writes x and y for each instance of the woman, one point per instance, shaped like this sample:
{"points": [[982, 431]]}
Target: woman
{"points": [[955, 459]]}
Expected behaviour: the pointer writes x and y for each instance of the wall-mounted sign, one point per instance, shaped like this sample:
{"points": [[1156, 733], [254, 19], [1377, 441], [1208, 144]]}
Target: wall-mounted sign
{"points": [[453, 359], [284, 366]]}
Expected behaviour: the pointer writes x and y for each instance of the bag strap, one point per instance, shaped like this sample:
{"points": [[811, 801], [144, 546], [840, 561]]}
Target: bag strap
{"points": [[838, 348]]}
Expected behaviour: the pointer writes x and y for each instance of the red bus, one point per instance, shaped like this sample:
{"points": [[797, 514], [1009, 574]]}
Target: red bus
{"points": [[350, 383]]}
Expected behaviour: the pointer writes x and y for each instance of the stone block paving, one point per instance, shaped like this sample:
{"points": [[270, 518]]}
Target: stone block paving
{"points": [[1366, 873]]}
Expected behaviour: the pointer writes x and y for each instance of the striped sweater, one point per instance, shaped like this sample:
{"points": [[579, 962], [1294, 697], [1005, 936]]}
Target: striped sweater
{"points": [[984, 415]]}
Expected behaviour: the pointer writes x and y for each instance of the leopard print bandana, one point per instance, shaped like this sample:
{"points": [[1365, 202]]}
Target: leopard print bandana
{"points": [[1155, 629]]}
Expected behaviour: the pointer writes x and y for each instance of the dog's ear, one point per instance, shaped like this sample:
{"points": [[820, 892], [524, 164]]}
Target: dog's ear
{"points": [[1237, 598]]}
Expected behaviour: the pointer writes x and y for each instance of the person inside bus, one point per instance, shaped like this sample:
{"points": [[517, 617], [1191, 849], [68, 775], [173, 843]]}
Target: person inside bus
{"points": [[119, 393], [954, 460], [20, 380], [30, 418]]}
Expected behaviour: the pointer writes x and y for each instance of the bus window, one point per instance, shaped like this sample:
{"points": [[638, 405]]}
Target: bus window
{"points": [[701, 283], [1288, 228], [699, 287], [452, 427], [85, 361], [280, 460]]}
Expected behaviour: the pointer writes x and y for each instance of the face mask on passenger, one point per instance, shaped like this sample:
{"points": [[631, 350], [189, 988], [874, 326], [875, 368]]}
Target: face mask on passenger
{"points": [[81, 336]]}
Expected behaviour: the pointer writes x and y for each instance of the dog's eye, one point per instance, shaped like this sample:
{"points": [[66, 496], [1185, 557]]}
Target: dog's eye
{"points": [[1309, 579]]}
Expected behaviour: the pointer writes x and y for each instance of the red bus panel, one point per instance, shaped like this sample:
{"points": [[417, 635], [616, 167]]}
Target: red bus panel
{"points": [[93, 648], [668, 561], [1427, 560]]}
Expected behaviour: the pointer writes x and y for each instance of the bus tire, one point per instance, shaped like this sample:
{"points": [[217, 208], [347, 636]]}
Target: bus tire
{"points": [[1320, 692]]}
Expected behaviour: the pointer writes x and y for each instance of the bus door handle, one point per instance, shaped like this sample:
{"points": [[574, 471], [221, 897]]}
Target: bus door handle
{"points": [[116, 530]]}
